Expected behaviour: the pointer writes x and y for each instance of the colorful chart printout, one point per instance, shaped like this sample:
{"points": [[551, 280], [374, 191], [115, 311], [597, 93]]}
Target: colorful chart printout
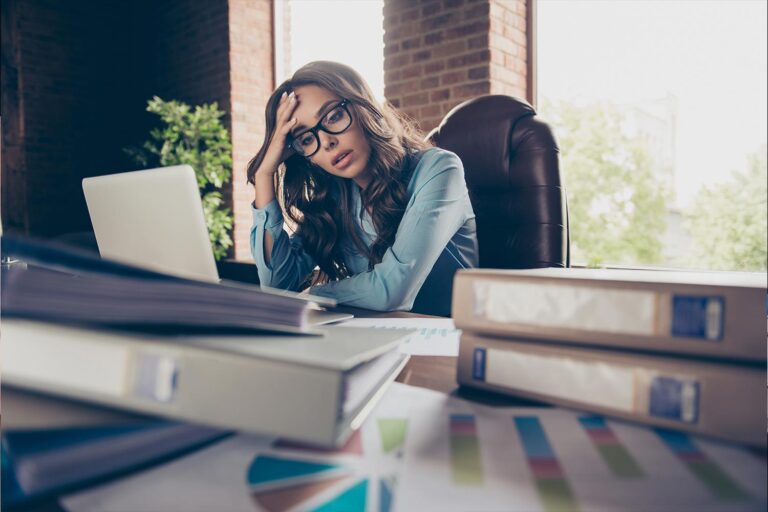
{"points": [[466, 464], [722, 486], [616, 456], [553, 488]]}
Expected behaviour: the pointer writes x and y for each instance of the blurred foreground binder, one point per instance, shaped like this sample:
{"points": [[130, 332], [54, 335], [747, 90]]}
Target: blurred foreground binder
{"points": [[316, 389], [74, 287], [706, 314], [725, 401], [51, 446]]}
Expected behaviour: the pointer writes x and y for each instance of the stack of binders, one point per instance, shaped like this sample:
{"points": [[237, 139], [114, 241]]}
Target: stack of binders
{"points": [[225, 356], [163, 365], [684, 350]]}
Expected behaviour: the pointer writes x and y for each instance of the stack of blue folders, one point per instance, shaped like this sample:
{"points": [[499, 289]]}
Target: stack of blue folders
{"points": [[80, 445]]}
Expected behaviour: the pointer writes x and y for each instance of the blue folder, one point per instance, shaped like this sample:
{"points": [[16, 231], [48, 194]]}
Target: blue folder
{"points": [[38, 463]]}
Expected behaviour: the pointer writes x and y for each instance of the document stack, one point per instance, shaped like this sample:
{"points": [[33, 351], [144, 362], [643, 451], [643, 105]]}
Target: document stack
{"points": [[230, 357], [683, 350], [194, 360]]}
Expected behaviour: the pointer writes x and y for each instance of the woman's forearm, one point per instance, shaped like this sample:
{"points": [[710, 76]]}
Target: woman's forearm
{"points": [[264, 194]]}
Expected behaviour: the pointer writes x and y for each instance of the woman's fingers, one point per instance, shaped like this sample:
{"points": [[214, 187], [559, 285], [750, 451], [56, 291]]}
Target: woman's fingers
{"points": [[288, 126], [281, 108], [286, 108]]}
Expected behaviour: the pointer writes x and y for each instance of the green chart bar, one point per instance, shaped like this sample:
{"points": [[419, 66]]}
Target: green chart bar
{"points": [[615, 455], [466, 466], [392, 431], [722, 486], [554, 491]]}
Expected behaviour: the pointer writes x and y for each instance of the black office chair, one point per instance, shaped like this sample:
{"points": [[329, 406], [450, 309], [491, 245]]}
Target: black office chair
{"points": [[512, 171]]}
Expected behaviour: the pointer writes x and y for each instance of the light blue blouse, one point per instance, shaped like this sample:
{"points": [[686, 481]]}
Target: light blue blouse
{"points": [[436, 237]]}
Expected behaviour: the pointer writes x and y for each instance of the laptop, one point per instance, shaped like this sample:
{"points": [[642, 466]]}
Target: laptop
{"points": [[154, 219]]}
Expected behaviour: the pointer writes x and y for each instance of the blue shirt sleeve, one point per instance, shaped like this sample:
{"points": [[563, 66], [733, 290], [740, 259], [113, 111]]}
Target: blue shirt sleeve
{"points": [[289, 265], [435, 212]]}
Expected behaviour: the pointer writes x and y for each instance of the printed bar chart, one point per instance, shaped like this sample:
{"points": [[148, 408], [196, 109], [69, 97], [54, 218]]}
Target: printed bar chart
{"points": [[466, 465], [615, 455], [553, 488], [706, 470]]}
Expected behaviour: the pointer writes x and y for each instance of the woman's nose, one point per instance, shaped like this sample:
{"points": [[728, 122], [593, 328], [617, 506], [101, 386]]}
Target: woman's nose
{"points": [[328, 141]]}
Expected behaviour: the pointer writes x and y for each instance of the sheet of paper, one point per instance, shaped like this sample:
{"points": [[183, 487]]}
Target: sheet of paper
{"points": [[247, 473], [422, 450], [435, 336], [534, 459]]}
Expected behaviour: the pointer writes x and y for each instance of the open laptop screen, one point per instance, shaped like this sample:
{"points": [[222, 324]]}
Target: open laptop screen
{"points": [[153, 219]]}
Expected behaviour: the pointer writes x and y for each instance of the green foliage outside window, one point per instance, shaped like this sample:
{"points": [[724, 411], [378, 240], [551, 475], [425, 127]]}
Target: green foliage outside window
{"points": [[617, 206], [728, 220], [195, 137]]}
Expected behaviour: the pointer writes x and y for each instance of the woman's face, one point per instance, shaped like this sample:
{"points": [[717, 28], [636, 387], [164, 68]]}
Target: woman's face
{"points": [[344, 154]]}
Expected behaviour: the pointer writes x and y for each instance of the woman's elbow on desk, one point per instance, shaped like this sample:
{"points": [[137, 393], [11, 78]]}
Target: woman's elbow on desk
{"points": [[384, 299]]}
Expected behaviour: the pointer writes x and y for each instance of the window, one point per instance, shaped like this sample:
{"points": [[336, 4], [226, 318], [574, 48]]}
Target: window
{"points": [[660, 113], [339, 30]]}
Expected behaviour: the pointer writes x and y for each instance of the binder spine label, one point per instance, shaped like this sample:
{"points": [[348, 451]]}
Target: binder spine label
{"points": [[567, 378], [566, 306], [674, 399], [698, 317], [478, 364], [156, 378]]}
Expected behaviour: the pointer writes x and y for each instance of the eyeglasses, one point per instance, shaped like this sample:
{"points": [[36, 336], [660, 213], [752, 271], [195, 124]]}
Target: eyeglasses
{"points": [[335, 121]]}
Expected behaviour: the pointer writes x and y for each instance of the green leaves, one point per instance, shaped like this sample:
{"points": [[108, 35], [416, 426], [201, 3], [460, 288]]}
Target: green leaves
{"points": [[728, 220], [195, 137], [616, 199]]}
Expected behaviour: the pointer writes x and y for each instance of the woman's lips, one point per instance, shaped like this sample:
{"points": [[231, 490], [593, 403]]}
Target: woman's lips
{"points": [[344, 161]]}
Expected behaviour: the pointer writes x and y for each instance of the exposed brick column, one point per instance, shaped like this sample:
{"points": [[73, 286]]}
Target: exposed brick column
{"points": [[507, 42], [251, 83], [438, 53]]}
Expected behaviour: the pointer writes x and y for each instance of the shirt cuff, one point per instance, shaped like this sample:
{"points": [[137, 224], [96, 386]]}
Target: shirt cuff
{"points": [[271, 217]]}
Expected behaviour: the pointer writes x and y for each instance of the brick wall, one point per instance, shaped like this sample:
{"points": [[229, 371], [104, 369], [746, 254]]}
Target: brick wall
{"points": [[185, 49], [60, 120], [79, 74], [438, 53], [507, 43], [13, 183], [252, 81]]}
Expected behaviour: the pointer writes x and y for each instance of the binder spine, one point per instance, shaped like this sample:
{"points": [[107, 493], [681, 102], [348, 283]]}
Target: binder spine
{"points": [[175, 381], [689, 395], [709, 321]]}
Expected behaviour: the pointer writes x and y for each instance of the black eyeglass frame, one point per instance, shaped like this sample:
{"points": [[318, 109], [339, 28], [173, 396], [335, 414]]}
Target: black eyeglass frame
{"points": [[344, 103]]}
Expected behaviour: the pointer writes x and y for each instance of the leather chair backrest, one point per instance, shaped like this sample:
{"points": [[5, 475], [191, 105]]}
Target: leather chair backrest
{"points": [[512, 170]]}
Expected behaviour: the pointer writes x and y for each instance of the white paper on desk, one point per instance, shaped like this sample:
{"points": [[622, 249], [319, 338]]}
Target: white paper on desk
{"points": [[435, 336], [410, 453], [219, 477], [490, 469]]}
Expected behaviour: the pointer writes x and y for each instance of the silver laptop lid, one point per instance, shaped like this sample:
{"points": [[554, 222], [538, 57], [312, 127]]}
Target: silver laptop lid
{"points": [[153, 219]]}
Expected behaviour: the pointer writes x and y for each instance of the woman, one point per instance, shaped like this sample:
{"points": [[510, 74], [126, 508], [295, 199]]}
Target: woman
{"points": [[386, 218]]}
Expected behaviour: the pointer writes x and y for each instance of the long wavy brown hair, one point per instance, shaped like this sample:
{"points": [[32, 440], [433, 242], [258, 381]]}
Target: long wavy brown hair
{"points": [[319, 203]]}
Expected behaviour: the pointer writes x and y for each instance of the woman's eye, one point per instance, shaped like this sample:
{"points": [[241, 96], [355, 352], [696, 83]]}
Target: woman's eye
{"points": [[306, 140], [334, 116]]}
